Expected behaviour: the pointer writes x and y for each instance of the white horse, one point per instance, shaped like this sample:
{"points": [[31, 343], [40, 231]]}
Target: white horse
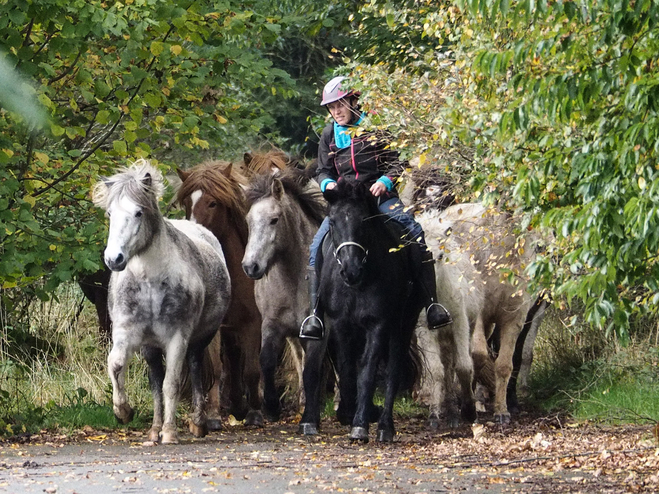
{"points": [[169, 292], [473, 248]]}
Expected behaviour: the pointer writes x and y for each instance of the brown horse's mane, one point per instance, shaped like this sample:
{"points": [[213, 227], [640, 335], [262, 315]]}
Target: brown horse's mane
{"points": [[210, 177], [261, 163], [295, 183]]}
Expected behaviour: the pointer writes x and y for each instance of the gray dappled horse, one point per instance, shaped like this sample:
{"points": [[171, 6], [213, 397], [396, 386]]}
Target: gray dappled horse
{"points": [[285, 211], [474, 247], [169, 291]]}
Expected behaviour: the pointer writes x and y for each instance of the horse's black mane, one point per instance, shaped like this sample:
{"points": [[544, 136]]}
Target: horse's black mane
{"points": [[295, 183]]}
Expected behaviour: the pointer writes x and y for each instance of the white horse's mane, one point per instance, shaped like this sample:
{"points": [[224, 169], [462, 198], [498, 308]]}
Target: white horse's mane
{"points": [[133, 176]]}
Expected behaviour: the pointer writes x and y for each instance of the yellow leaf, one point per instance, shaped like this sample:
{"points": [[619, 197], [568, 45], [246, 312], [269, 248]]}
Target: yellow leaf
{"points": [[641, 183], [9, 284], [422, 159], [52, 247], [176, 49], [8, 152], [221, 119], [30, 200], [43, 157]]}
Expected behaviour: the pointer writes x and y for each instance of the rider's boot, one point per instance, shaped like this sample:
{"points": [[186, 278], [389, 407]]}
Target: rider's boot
{"points": [[436, 314], [312, 327]]}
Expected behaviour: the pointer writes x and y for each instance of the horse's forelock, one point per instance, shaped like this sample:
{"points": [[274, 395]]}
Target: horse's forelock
{"points": [[141, 182], [295, 184], [211, 178]]}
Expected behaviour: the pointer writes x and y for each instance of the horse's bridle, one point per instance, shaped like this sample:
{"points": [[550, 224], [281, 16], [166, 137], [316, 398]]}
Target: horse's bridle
{"points": [[346, 244]]}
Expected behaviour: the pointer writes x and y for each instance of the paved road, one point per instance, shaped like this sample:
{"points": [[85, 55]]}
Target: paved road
{"points": [[273, 460]]}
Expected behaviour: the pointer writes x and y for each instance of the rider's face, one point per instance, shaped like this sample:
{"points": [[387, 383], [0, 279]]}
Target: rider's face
{"points": [[343, 111]]}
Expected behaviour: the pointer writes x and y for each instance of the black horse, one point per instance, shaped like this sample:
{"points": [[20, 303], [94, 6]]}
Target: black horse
{"points": [[371, 302]]}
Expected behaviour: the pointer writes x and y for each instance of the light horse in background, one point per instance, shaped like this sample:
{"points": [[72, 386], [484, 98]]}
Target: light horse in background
{"points": [[285, 212], [212, 196], [169, 291], [474, 247]]}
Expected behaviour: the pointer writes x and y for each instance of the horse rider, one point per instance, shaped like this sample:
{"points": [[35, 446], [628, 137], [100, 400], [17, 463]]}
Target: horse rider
{"points": [[369, 159]]}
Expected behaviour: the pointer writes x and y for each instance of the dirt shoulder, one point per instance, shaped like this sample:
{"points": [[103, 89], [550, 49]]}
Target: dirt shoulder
{"points": [[534, 455]]}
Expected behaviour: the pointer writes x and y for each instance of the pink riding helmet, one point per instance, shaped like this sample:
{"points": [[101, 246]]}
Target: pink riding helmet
{"points": [[333, 91]]}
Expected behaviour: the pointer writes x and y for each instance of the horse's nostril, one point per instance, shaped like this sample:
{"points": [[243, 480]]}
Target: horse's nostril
{"points": [[119, 259]]}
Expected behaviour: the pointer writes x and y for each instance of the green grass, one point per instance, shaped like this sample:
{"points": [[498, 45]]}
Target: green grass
{"points": [[592, 378], [53, 371]]}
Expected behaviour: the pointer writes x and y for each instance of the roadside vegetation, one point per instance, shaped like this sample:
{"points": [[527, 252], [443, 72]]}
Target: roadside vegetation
{"points": [[546, 109]]}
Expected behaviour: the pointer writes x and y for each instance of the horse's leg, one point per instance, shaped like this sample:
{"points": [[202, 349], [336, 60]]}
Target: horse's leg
{"points": [[153, 357], [345, 361], [214, 350], [397, 345], [482, 362], [175, 355], [366, 382], [236, 358], [447, 391], [464, 369], [272, 344], [195, 358], [314, 356], [117, 363], [503, 367], [297, 354], [251, 346]]}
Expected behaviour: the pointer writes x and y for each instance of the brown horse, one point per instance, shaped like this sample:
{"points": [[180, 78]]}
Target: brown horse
{"points": [[212, 196]]}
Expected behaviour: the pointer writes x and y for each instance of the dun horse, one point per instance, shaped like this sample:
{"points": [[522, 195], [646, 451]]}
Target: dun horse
{"points": [[212, 196], [473, 245], [169, 291], [371, 303], [284, 214]]}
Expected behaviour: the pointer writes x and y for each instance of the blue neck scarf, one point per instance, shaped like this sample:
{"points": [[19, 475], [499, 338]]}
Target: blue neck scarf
{"points": [[342, 137]]}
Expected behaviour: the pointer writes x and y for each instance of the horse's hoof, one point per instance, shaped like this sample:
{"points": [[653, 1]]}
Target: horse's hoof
{"points": [[214, 424], [502, 418], [169, 436], [385, 435], [198, 430], [359, 434], [254, 418], [433, 422], [308, 429], [154, 434], [453, 422], [124, 414]]}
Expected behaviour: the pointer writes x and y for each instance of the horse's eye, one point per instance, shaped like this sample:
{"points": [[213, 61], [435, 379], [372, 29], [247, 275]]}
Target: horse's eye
{"points": [[212, 204], [138, 214], [274, 221]]}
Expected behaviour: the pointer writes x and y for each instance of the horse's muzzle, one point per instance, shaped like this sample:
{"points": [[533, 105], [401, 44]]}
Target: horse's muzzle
{"points": [[352, 277], [254, 270], [117, 264]]}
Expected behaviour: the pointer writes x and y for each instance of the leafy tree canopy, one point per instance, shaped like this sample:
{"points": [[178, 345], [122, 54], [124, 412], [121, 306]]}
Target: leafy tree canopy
{"points": [[142, 78], [555, 104]]}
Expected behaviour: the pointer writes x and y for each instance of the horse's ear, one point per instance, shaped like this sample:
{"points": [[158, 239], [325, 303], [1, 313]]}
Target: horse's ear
{"points": [[247, 159], [227, 170], [277, 189], [331, 195], [182, 174], [147, 180]]}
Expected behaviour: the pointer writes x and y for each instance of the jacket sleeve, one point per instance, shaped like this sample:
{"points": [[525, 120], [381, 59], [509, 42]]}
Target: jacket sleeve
{"points": [[389, 162], [326, 169]]}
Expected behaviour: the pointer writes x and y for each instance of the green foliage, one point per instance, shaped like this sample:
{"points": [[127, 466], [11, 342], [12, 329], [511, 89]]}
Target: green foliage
{"points": [[144, 78], [547, 107]]}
